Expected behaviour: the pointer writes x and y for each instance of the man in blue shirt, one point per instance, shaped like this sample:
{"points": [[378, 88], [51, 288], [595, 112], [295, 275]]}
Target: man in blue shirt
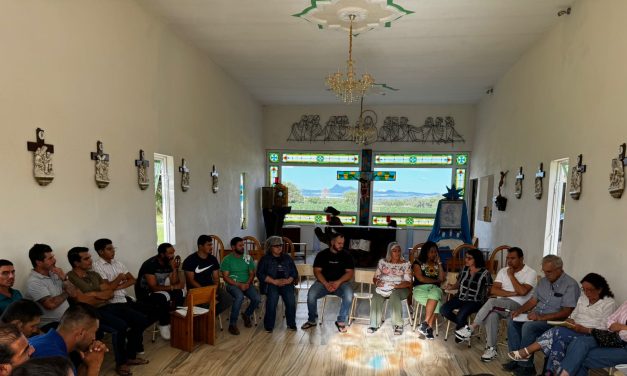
{"points": [[554, 299], [8, 295], [76, 332]]}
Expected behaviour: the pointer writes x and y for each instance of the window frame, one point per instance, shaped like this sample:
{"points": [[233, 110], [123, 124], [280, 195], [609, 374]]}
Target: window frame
{"points": [[168, 200]]}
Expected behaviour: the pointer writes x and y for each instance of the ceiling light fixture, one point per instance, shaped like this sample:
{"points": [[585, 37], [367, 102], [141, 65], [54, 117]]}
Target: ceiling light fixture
{"points": [[347, 87]]}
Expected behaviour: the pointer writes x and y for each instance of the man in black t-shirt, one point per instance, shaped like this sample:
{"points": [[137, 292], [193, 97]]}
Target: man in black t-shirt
{"points": [[151, 288], [202, 269], [334, 269]]}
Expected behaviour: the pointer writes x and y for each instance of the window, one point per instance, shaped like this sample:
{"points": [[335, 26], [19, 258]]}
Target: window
{"points": [[406, 187], [555, 207], [164, 198]]}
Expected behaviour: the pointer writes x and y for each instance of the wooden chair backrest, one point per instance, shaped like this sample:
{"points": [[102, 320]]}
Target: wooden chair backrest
{"points": [[218, 247], [364, 277], [497, 259], [451, 278], [288, 247], [456, 262], [305, 270], [251, 243], [200, 295], [415, 250]]}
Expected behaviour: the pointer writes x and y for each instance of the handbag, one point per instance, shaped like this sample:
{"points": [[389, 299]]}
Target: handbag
{"points": [[605, 338]]}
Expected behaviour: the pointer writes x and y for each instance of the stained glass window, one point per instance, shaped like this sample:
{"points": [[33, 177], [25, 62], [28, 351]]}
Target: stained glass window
{"points": [[403, 221], [320, 158], [318, 219], [413, 159]]}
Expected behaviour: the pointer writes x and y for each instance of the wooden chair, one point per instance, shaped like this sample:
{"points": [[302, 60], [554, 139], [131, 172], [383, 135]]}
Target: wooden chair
{"points": [[362, 277], [415, 250], [218, 247], [306, 279], [288, 247], [456, 262], [497, 259], [190, 328]]}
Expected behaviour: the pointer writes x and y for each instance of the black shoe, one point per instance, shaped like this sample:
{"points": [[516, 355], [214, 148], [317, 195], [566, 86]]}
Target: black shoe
{"points": [[247, 322], [429, 334], [292, 328], [269, 330], [525, 371], [510, 366], [457, 340], [422, 329]]}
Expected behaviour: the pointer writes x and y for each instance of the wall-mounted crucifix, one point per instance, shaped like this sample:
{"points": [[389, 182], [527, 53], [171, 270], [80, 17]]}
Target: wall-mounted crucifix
{"points": [[184, 175], [366, 176], [617, 176], [519, 183], [539, 176], [142, 171], [42, 158], [102, 165], [576, 178]]}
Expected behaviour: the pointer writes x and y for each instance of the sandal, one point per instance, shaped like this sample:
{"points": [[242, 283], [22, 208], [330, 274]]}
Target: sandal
{"points": [[123, 370], [341, 327], [372, 329], [137, 362], [518, 356], [308, 325], [398, 330]]}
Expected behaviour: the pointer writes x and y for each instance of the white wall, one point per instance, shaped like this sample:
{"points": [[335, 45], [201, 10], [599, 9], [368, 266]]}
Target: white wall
{"points": [[110, 71], [278, 120], [564, 97]]}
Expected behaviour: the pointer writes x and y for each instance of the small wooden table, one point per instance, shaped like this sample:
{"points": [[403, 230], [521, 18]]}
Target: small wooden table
{"points": [[302, 251]]}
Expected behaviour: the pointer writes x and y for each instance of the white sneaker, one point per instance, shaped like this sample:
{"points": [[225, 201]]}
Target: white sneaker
{"points": [[464, 333], [489, 354], [164, 330]]}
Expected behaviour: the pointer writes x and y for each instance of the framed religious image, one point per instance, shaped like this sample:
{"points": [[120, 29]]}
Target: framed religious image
{"points": [[451, 214]]}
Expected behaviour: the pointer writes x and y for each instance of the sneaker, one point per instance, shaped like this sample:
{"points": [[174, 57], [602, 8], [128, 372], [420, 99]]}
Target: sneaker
{"points": [[429, 334], [510, 366], [164, 331], [463, 333], [457, 340], [247, 322], [422, 329], [233, 330], [489, 354]]}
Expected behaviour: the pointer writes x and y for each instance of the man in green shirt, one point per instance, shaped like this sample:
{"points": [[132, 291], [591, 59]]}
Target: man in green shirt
{"points": [[238, 271], [118, 319]]}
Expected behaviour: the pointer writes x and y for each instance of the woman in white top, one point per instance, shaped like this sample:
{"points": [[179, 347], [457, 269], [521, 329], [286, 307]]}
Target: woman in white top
{"points": [[593, 308], [392, 279]]}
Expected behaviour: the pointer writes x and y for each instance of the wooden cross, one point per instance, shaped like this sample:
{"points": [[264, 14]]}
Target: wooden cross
{"points": [[99, 154], [580, 166], [141, 161], [33, 146]]}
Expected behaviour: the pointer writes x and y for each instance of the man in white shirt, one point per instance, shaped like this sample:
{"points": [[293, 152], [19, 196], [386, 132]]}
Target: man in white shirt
{"points": [[511, 289]]}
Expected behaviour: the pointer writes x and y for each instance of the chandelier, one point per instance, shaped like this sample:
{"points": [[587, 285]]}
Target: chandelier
{"points": [[365, 130], [347, 87]]}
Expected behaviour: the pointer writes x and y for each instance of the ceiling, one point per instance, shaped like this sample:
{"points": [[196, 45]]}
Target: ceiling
{"points": [[447, 51]]}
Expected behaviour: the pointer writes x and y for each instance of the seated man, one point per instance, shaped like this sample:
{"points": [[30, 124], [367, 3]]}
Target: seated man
{"points": [[151, 287], [334, 269], [76, 332], [277, 274], [202, 269], [121, 321], [51, 366], [554, 299], [48, 286], [8, 295], [238, 273], [25, 314], [119, 278], [14, 348], [512, 288]]}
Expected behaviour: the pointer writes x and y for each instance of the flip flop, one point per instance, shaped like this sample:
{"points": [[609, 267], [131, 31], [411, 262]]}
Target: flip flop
{"points": [[341, 327], [308, 325]]}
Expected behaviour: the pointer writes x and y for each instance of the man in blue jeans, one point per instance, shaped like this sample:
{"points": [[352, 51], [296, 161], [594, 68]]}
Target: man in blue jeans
{"points": [[554, 299], [333, 269], [238, 271]]}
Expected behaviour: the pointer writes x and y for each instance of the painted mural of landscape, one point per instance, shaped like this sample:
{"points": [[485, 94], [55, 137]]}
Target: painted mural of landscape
{"points": [[416, 190]]}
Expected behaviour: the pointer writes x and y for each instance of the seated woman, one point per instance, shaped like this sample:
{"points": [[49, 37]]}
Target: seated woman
{"points": [[584, 353], [473, 283], [393, 280], [593, 308], [276, 273], [428, 275]]}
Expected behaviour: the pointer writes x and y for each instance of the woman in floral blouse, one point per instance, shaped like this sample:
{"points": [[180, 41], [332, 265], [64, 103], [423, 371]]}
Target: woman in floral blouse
{"points": [[392, 280]]}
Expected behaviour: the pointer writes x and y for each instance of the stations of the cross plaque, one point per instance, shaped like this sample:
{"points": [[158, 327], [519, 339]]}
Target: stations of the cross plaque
{"points": [[102, 165], [142, 171], [538, 183], [519, 180], [184, 175], [42, 158]]}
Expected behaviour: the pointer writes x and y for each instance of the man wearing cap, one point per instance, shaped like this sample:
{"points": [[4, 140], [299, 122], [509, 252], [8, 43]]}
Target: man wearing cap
{"points": [[277, 273], [334, 269]]}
